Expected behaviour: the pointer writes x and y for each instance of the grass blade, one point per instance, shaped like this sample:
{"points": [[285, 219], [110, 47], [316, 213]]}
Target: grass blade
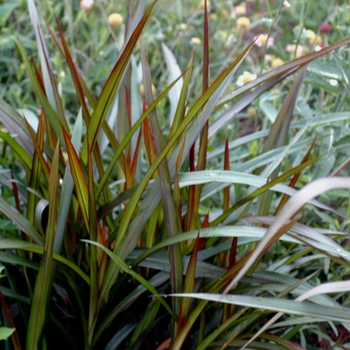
{"points": [[39, 149], [169, 208], [79, 179], [31, 247], [20, 152], [75, 76], [15, 339], [155, 281], [107, 95], [189, 284], [128, 137], [35, 174], [50, 112], [294, 179], [67, 188], [49, 83], [14, 124], [294, 204], [41, 298], [22, 223], [287, 306], [94, 230], [135, 275], [174, 72]]}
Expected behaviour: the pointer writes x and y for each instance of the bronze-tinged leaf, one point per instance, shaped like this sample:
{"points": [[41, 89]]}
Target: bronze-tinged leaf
{"points": [[189, 284], [75, 75], [295, 178], [109, 89], [136, 154], [39, 148], [38, 164], [43, 283], [79, 179], [50, 112], [15, 338], [123, 144], [148, 141]]}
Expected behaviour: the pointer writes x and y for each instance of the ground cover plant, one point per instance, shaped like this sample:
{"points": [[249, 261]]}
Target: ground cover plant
{"points": [[174, 175]]}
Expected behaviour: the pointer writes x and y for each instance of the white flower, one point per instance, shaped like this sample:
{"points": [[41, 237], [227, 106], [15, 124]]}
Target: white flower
{"points": [[86, 4], [245, 78], [196, 41], [240, 10]]}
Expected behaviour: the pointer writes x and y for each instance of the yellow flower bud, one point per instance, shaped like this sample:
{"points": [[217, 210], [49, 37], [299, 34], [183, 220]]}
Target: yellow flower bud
{"points": [[201, 5], [224, 13], [65, 157], [142, 90], [319, 41], [243, 22], [251, 111], [277, 62], [269, 58], [312, 37], [115, 19]]}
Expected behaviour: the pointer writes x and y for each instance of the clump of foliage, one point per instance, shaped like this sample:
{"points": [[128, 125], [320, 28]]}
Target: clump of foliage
{"points": [[127, 224]]}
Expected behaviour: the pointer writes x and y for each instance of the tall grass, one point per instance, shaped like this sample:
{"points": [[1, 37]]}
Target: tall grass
{"points": [[117, 197]]}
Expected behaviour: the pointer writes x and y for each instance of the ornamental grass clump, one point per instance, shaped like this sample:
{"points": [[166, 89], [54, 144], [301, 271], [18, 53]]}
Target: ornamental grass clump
{"points": [[107, 213]]}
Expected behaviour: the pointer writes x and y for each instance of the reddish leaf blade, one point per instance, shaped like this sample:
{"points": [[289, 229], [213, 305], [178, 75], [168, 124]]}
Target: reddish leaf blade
{"points": [[189, 284], [79, 179], [81, 80], [11, 323], [43, 284], [108, 92], [75, 76], [39, 147]]}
